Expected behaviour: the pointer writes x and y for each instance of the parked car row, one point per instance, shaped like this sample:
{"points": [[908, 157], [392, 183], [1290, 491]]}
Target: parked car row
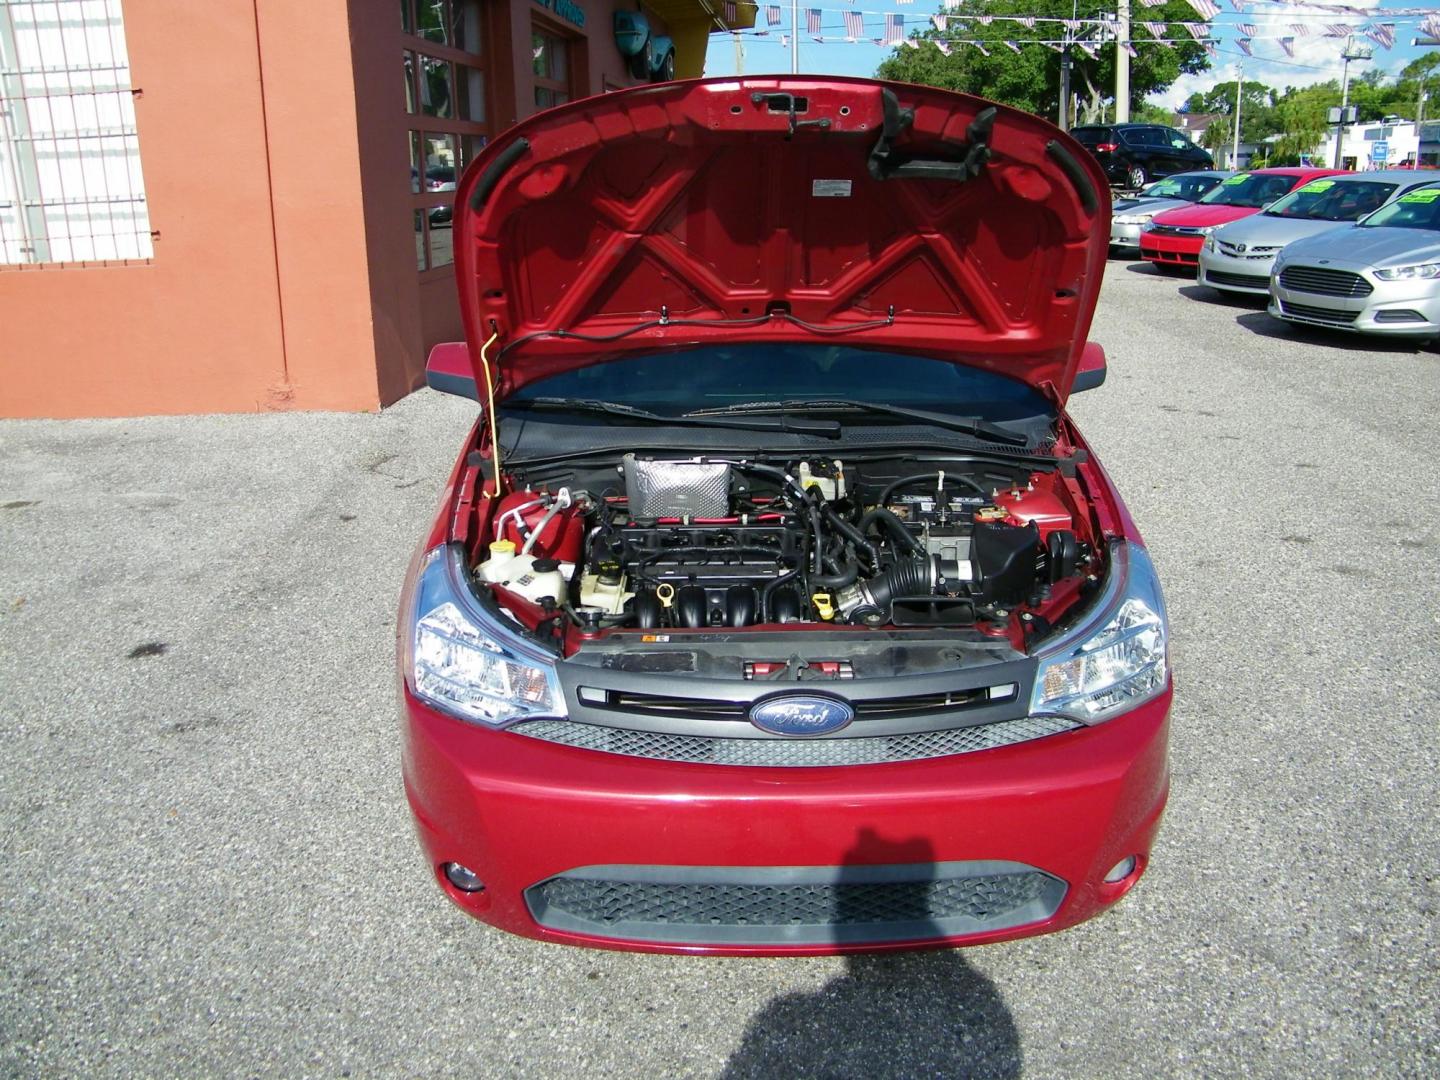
{"points": [[1351, 251]]}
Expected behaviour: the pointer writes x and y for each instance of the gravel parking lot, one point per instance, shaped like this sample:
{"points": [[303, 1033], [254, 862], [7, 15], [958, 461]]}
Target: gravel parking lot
{"points": [[206, 863]]}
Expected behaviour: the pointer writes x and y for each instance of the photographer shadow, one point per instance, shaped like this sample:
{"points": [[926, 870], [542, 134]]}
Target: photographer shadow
{"points": [[889, 1014]]}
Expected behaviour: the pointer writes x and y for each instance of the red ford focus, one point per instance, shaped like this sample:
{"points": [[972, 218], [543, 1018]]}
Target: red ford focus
{"points": [[775, 605]]}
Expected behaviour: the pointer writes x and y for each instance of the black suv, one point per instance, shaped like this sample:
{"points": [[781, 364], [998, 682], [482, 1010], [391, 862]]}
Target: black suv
{"points": [[1134, 154]]}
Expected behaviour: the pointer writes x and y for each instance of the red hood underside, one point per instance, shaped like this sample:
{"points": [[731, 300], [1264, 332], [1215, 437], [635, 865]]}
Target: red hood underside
{"points": [[714, 209]]}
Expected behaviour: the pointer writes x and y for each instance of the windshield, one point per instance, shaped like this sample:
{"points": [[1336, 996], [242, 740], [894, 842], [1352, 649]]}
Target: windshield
{"points": [[1418, 209], [1333, 200], [1251, 190], [1189, 188], [721, 375]]}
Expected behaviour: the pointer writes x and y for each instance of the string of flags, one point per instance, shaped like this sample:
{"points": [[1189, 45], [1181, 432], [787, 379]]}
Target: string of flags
{"points": [[1088, 34]]}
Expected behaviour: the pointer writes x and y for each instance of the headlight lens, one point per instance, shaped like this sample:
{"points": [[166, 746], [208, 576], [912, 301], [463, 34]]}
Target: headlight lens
{"points": [[1405, 273], [464, 661], [1117, 661], [1133, 219], [1209, 243]]}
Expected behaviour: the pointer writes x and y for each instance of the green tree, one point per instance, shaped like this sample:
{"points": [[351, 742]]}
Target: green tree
{"points": [[1030, 79], [1302, 113], [1258, 117]]}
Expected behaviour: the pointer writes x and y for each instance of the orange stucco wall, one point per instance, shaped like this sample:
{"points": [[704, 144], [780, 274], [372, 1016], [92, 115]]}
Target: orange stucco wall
{"points": [[248, 303], [272, 144]]}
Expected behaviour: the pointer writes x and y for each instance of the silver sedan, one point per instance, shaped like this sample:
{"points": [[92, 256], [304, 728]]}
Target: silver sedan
{"points": [[1128, 216], [1237, 257], [1378, 276]]}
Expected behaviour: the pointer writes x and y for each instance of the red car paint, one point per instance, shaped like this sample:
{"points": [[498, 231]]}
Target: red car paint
{"points": [[1164, 248], [1011, 289], [625, 205]]}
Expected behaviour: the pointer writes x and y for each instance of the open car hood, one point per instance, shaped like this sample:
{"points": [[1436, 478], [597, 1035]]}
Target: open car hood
{"points": [[795, 209]]}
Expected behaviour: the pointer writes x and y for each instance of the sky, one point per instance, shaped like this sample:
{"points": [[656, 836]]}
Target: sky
{"points": [[1316, 58]]}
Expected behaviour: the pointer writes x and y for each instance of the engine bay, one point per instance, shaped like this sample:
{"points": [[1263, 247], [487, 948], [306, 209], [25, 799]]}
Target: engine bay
{"points": [[659, 544]]}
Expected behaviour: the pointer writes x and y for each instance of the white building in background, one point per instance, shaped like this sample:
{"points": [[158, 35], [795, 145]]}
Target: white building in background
{"points": [[1381, 145]]}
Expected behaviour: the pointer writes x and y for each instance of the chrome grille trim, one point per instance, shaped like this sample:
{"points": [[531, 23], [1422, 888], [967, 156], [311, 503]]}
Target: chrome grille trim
{"points": [[1325, 282], [794, 753]]}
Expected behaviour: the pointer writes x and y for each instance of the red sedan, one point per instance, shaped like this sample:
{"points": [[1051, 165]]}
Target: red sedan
{"points": [[1175, 237], [775, 605]]}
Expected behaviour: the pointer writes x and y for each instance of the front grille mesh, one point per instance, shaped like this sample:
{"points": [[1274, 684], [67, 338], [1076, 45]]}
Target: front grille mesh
{"points": [[1325, 282], [871, 750], [715, 904], [1319, 314]]}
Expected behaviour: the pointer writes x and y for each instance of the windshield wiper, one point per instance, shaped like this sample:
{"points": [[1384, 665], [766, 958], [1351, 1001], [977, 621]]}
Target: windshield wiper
{"points": [[970, 425], [797, 425]]}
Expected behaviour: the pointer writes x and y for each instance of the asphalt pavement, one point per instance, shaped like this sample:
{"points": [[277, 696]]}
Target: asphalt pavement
{"points": [[207, 865]]}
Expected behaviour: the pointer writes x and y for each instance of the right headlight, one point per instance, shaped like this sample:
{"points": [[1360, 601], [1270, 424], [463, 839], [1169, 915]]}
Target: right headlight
{"points": [[1132, 219], [465, 661], [1406, 273], [1117, 659]]}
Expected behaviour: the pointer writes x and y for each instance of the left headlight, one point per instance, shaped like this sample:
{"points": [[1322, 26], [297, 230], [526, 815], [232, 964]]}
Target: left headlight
{"points": [[1406, 273], [1132, 219], [1115, 661], [464, 660]]}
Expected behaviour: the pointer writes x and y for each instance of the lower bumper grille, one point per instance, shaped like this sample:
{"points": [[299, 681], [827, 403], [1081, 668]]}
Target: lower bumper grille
{"points": [[871, 750], [1319, 314], [1178, 258], [795, 905], [1239, 281]]}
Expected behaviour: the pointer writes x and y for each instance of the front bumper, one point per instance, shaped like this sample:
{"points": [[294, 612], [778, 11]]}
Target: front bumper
{"points": [[1236, 274], [1035, 826], [1403, 309], [1124, 236], [1168, 249]]}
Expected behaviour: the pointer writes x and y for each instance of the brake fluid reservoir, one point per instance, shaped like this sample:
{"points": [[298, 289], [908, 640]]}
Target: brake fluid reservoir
{"points": [[495, 568]]}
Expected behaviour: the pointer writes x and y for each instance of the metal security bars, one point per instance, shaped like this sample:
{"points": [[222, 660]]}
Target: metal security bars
{"points": [[71, 189]]}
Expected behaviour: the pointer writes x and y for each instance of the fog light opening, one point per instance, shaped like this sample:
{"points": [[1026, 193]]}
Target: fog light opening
{"points": [[1121, 870], [463, 878]]}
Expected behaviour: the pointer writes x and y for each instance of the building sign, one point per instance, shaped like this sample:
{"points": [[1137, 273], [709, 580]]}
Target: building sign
{"points": [[568, 10]]}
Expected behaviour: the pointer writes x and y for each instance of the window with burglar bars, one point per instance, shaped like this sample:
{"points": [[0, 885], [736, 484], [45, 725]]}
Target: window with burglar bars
{"points": [[70, 183]]}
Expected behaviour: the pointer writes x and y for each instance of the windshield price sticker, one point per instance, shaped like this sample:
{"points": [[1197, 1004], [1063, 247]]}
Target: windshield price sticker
{"points": [[1424, 195], [1318, 186], [1238, 178], [830, 189]]}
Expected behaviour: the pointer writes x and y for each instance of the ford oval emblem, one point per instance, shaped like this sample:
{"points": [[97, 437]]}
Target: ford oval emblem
{"points": [[801, 714]]}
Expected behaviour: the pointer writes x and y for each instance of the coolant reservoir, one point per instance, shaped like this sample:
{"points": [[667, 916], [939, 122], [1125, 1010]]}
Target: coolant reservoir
{"points": [[534, 579]]}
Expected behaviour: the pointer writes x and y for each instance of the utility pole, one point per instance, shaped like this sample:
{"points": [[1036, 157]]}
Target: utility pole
{"points": [[1122, 63], [794, 37], [1353, 51], [1065, 84], [1239, 93], [739, 53]]}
